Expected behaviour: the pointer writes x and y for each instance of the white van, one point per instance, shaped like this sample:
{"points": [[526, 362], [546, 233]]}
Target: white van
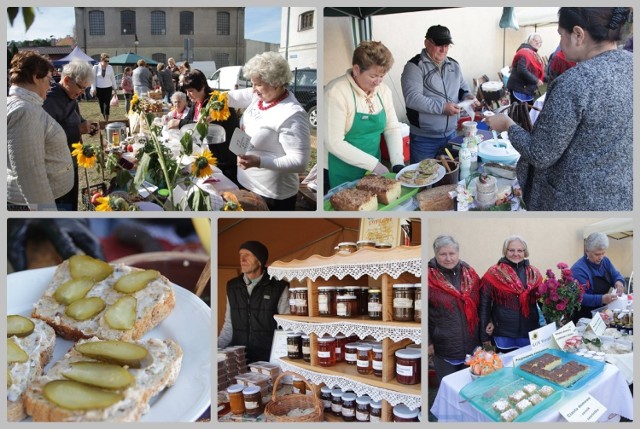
{"points": [[227, 78], [206, 67]]}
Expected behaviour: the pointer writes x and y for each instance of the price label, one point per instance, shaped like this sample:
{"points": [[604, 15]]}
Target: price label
{"points": [[597, 325], [240, 142], [541, 338], [563, 334], [583, 409]]}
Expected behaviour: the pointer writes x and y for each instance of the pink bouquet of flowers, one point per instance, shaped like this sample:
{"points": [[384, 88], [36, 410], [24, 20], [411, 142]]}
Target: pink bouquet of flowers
{"points": [[560, 298]]}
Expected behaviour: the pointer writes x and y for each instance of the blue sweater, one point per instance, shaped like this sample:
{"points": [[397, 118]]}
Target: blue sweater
{"points": [[584, 271]]}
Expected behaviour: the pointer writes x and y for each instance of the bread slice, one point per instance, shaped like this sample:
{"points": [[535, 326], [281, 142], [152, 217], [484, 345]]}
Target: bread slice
{"points": [[354, 200], [39, 346], [387, 190], [160, 372], [154, 303]]}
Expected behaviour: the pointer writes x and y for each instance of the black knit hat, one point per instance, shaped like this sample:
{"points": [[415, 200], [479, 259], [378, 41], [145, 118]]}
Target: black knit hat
{"points": [[259, 250], [439, 34]]}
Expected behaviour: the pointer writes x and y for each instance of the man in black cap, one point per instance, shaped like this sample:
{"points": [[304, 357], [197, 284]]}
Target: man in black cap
{"points": [[433, 85], [252, 300]]}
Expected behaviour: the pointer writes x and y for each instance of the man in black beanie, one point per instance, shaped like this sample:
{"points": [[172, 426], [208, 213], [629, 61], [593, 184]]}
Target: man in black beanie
{"points": [[252, 300]]}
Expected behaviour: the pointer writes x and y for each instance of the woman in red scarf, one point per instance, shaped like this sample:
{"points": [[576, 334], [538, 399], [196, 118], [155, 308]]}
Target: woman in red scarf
{"points": [[508, 297], [454, 294]]}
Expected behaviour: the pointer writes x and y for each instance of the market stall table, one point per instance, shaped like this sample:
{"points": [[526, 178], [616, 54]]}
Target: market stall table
{"points": [[609, 387]]}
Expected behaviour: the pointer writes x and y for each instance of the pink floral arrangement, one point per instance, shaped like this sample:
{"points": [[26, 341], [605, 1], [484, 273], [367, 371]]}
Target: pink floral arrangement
{"points": [[560, 298]]}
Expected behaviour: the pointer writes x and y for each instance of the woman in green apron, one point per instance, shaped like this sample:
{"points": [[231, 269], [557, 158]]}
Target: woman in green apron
{"points": [[359, 111], [597, 273]]}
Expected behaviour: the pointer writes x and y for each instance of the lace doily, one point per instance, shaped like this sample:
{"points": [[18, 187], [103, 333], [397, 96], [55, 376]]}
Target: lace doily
{"points": [[376, 393], [379, 332]]}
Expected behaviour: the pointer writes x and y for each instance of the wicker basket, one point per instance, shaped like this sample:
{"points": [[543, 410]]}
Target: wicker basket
{"points": [[277, 409]]}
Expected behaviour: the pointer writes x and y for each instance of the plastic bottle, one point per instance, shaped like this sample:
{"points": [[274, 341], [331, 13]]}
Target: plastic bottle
{"points": [[472, 145], [465, 161]]}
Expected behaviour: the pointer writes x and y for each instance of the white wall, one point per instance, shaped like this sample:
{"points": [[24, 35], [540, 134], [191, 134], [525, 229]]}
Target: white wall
{"points": [[303, 45]]}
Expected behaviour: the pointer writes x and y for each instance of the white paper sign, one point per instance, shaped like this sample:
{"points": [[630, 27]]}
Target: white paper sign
{"points": [[240, 142], [583, 409], [517, 360], [597, 325], [563, 334], [541, 338]]}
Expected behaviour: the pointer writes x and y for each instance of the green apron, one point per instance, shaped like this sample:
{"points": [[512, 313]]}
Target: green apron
{"points": [[365, 135]]}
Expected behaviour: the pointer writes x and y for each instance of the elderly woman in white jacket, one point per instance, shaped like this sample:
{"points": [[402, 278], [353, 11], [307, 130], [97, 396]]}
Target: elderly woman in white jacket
{"points": [[279, 130]]}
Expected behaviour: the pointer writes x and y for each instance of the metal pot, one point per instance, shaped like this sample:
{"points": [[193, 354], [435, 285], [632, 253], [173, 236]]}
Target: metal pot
{"points": [[116, 133]]}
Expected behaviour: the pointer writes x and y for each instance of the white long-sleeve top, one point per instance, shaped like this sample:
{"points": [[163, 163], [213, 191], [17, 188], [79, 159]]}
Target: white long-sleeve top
{"points": [[109, 79], [340, 111], [281, 138], [39, 164]]}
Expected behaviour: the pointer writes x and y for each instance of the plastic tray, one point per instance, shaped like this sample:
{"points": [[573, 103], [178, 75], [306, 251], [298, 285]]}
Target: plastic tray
{"points": [[405, 194], [484, 391], [594, 368]]}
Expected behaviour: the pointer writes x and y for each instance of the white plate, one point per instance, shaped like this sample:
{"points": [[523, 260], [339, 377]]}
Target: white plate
{"points": [[189, 324], [412, 167]]}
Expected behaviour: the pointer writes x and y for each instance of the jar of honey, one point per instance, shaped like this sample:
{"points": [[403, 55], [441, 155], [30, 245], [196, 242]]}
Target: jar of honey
{"points": [[306, 348], [351, 353], [364, 358], [417, 308], [299, 385], [374, 305], [403, 302], [403, 414], [236, 400], [294, 346], [327, 301], [376, 361], [341, 341], [336, 402], [302, 308], [408, 362], [253, 401], [346, 306], [326, 351]]}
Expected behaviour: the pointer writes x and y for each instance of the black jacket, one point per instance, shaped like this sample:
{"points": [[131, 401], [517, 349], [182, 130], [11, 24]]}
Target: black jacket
{"points": [[65, 111], [507, 321], [252, 316], [521, 79], [448, 327]]}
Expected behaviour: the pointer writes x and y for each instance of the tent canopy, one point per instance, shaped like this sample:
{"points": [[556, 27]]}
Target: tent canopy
{"points": [[616, 228], [75, 54], [130, 59], [364, 12]]}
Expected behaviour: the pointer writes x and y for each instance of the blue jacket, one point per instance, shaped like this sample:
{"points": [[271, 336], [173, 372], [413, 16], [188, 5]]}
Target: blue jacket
{"points": [[584, 271]]}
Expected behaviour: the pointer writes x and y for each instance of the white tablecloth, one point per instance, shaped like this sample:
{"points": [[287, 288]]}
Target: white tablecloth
{"points": [[610, 388]]}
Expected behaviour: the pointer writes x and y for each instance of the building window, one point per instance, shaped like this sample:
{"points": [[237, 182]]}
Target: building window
{"points": [[306, 21], [158, 23], [224, 24], [128, 22], [186, 22], [159, 57], [96, 23], [221, 59]]}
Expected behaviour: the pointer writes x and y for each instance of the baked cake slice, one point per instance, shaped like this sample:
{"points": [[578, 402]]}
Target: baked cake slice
{"points": [[387, 190], [354, 200]]}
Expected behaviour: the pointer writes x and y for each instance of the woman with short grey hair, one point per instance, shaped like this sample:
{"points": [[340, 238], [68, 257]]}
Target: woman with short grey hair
{"points": [[603, 282]]}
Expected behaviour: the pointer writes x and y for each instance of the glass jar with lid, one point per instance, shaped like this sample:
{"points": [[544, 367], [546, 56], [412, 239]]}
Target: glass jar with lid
{"points": [[302, 308], [361, 244], [346, 306], [327, 301], [403, 302], [375, 413], [347, 247], [363, 300], [325, 395], [362, 408], [403, 414], [351, 353], [341, 341], [408, 362], [293, 309], [383, 245], [294, 345], [326, 351], [306, 348], [352, 290], [376, 360], [336, 402], [253, 401], [364, 358], [349, 407], [236, 400], [374, 305], [417, 308], [299, 385]]}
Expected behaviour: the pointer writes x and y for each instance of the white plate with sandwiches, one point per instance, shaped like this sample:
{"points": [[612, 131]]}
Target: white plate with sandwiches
{"points": [[189, 324], [416, 181]]}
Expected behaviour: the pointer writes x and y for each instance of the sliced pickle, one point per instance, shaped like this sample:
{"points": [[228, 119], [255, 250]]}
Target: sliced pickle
{"points": [[77, 396], [99, 374], [19, 326], [122, 314], [135, 281], [86, 266], [85, 308], [15, 353], [73, 290], [118, 352], [9, 380]]}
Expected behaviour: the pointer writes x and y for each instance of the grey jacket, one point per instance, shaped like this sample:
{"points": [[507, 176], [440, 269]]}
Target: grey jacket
{"points": [[427, 89], [579, 154], [166, 81], [141, 77]]}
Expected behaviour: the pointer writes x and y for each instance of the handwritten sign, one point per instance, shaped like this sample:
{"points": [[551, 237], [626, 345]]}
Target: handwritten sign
{"points": [[597, 325], [583, 409], [240, 142], [563, 334], [541, 338], [517, 360]]}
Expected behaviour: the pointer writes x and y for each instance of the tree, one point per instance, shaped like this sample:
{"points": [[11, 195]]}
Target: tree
{"points": [[28, 14]]}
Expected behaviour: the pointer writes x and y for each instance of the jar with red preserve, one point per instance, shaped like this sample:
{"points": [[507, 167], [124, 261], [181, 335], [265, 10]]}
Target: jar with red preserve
{"points": [[347, 306], [376, 361], [293, 309], [326, 351], [341, 341], [403, 414], [408, 362], [351, 353], [364, 359], [327, 301]]}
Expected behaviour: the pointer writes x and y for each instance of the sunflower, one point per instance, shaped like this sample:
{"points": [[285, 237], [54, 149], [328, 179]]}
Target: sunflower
{"points": [[218, 106], [103, 204], [201, 167], [133, 104], [85, 153]]}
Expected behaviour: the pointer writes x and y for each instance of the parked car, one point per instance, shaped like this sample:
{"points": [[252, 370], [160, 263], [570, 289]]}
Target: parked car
{"points": [[304, 86], [227, 78]]}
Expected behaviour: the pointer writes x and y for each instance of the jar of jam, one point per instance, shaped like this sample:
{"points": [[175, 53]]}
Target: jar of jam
{"points": [[299, 385], [325, 395], [417, 308], [292, 301], [346, 306], [366, 244], [403, 414], [253, 401], [374, 304], [326, 351], [347, 247], [351, 353], [403, 302], [376, 361], [236, 399], [327, 301], [294, 346], [408, 366], [364, 358], [363, 300], [375, 413], [301, 301], [362, 408], [349, 407], [306, 348], [336, 402], [352, 291], [341, 341]]}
